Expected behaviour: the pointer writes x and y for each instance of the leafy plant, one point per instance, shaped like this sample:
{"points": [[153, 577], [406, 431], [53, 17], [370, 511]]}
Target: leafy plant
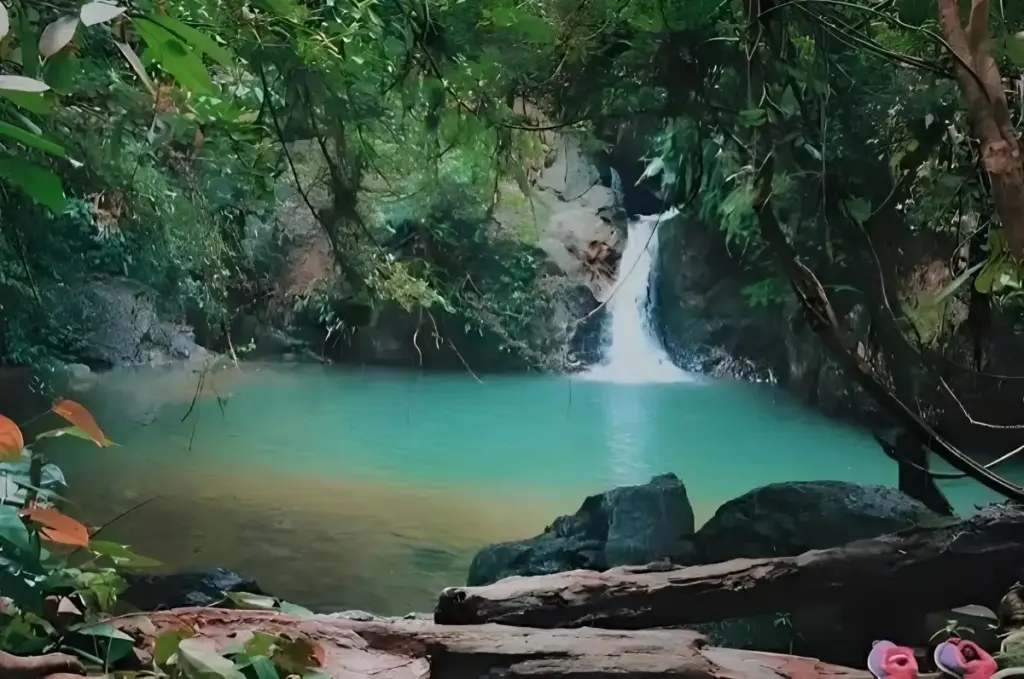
{"points": [[51, 602]]}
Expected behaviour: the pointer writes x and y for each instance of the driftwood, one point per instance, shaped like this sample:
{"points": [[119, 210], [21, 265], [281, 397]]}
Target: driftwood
{"points": [[418, 650], [927, 568]]}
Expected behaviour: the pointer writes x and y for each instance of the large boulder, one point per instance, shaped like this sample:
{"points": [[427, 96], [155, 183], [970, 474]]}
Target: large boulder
{"points": [[113, 322], [626, 526], [786, 519]]}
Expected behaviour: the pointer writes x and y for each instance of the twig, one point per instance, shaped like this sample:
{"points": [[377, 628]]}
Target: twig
{"points": [[978, 423]]}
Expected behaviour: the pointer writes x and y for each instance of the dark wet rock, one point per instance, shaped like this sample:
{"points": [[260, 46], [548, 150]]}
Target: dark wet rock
{"points": [[118, 322], [786, 519], [632, 525], [150, 592]]}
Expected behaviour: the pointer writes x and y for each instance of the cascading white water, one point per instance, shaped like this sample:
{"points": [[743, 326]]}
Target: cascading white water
{"points": [[632, 351]]}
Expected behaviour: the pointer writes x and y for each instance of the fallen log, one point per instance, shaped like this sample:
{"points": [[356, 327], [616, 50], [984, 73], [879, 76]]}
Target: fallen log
{"points": [[418, 649], [927, 568]]}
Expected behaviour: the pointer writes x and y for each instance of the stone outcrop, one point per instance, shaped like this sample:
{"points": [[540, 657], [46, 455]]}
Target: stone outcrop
{"points": [[115, 322], [629, 525]]}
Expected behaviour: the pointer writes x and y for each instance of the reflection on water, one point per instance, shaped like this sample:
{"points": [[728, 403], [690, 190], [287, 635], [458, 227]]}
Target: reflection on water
{"points": [[327, 543], [626, 428], [373, 489]]}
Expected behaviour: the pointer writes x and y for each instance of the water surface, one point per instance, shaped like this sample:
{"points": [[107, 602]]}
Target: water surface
{"points": [[372, 489]]}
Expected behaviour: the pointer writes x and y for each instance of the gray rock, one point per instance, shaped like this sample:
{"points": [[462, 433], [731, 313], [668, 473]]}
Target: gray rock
{"points": [[150, 592], [358, 616], [786, 519], [633, 525], [117, 322]]}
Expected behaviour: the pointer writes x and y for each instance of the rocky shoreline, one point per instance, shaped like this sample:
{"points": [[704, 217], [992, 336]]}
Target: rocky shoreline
{"points": [[801, 568]]}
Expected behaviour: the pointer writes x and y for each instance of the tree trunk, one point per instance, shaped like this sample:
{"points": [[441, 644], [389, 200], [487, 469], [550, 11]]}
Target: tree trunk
{"points": [[951, 563], [982, 90], [914, 478]]}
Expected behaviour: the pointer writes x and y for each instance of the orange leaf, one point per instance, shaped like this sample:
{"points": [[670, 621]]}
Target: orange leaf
{"points": [[77, 415], [57, 527], [11, 440]]}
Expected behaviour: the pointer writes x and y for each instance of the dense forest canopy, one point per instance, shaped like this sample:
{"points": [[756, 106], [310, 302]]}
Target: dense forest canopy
{"points": [[857, 159]]}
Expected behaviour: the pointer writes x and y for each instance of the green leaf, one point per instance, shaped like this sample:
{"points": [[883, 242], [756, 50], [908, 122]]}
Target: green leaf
{"points": [[294, 609], [259, 667], [197, 661], [29, 43], [37, 102], [14, 532], [62, 70], [100, 587], [77, 432], [788, 103], [186, 68], [262, 643], [166, 645], [255, 602], [996, 244], [195, 38], [40, 184], [535, 28], [753, 117], [287, 9], [102, 640], [31, 139], [1013, 48], [121, 555], [858, 209], [987, 276], [956, 284], [175, 57]]}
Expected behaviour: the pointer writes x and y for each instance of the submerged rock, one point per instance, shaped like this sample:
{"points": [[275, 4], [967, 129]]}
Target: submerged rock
{"points": [[786, 519], [150, 592], [631, 525]]}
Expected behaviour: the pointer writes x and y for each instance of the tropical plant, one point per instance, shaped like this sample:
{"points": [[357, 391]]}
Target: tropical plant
{"points": [[57, 580]]}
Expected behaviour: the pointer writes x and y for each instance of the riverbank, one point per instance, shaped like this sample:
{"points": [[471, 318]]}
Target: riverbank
{"points": [[583, 623]]}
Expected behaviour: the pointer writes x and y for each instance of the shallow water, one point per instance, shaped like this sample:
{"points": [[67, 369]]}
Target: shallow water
{"points": [[372, 489]]}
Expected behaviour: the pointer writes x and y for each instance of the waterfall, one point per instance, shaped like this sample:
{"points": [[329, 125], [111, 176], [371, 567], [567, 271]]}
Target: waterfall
{"points": [[632, 352], [618, 191]]}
